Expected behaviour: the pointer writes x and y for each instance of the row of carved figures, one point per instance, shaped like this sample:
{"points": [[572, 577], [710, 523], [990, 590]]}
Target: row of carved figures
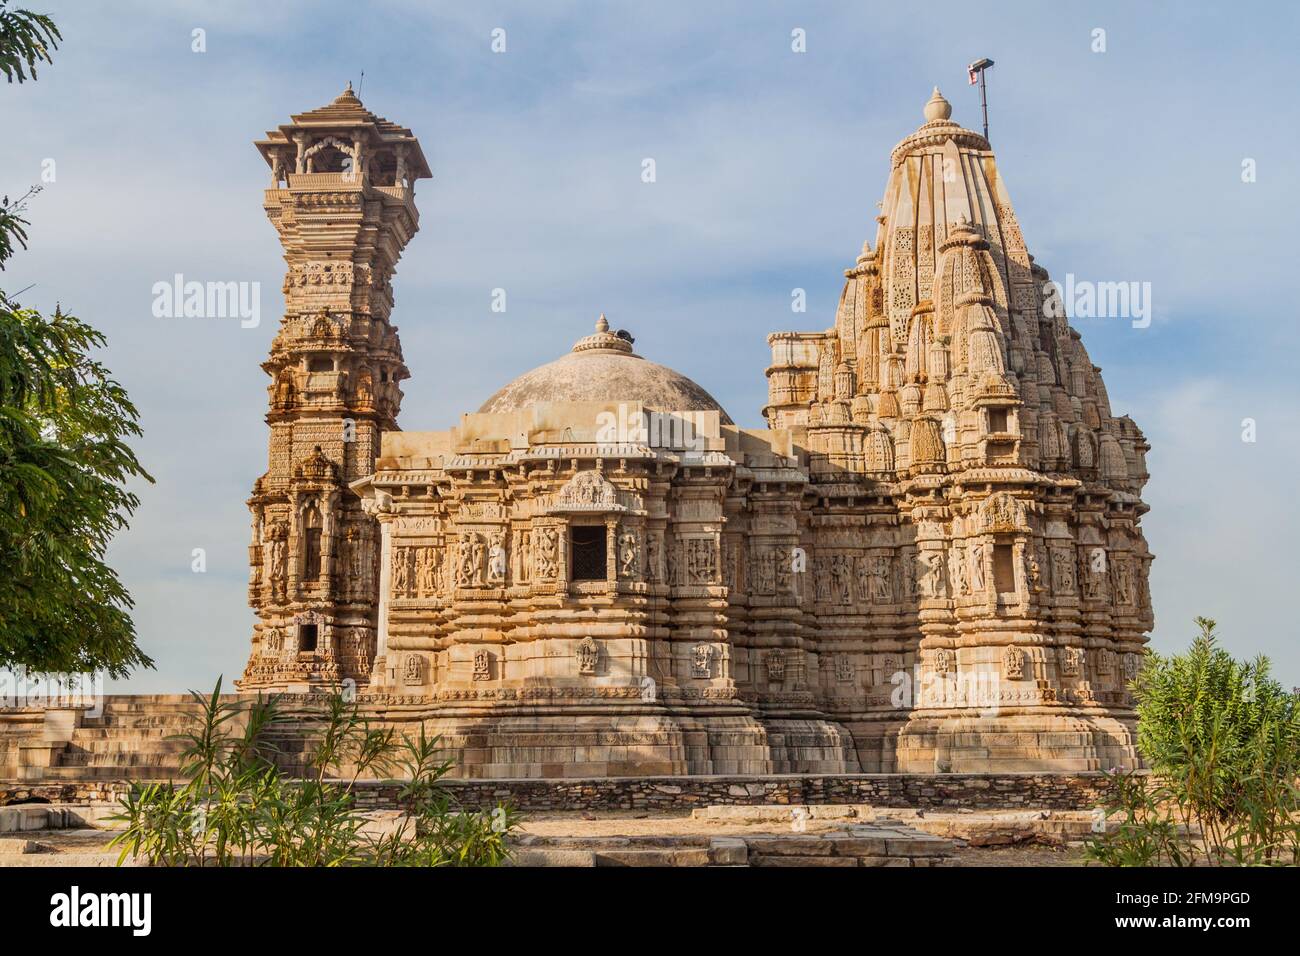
{"points": [[355, 565], [477, 560]]}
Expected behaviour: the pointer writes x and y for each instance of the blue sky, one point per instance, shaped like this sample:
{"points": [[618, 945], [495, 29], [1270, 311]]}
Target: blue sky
{"points": [[1122, 165]]}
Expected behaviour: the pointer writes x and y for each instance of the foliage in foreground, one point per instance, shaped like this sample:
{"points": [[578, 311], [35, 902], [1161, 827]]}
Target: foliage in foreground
{"points": [[238, 808], [1222, 741]]}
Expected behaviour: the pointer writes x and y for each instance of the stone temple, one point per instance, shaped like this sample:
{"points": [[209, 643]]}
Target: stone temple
{"points": [[928, 561]]}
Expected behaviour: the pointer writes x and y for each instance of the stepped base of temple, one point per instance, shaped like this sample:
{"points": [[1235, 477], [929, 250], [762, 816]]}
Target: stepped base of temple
{"points": [[1033, 742], [135, 737]]}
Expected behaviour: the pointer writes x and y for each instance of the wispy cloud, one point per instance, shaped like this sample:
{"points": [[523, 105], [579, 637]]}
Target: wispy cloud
{"points": [[1122, 165]]}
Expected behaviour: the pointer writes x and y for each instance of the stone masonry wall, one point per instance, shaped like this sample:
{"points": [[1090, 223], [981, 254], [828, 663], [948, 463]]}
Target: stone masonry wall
{"points": [[1043, 791]]}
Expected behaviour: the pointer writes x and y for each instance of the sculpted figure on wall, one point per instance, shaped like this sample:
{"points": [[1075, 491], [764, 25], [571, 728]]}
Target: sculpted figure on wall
{"points": [[496, 558], [822, 579], [469, 561], [524, 548], [961, 572], [843, 668], [977, 568], [588, 491], [352, 559], [731, 563], [784, 563], [401, 577], [762, 571], [702, 660], [1002, 513], [1095, 575], [774, 662], [413, 670], [907, 582], [931, 577], [588, 656], [426, 570], [1063, 571], [629, 555], [881, 572], [841, 588], [1122, 575], [1013, 663], [276, 555], [1132, 665], [478, 556], [654, 557], [702, 560], [546, 553]]}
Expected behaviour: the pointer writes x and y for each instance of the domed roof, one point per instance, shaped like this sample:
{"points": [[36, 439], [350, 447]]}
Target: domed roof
{"points": [[603, 368]]}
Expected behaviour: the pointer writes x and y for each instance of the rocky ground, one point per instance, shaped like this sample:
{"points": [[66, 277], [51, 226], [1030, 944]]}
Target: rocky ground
{"points": [[756, 836]]}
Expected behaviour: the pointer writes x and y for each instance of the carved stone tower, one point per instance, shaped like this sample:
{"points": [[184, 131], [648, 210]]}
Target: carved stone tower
{"points": [[342, 200]]}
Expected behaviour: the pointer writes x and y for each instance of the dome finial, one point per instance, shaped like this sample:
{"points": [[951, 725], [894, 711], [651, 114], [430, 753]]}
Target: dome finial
{"points": [[937, 108], [602, 324]]}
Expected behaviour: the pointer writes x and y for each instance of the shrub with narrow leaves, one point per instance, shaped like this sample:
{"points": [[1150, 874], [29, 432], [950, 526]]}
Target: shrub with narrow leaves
{"points": [[1222, 741], [238, 807]]}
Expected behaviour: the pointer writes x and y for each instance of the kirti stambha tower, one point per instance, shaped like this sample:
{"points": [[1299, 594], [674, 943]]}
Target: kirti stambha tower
{"points": [[342, 201]]}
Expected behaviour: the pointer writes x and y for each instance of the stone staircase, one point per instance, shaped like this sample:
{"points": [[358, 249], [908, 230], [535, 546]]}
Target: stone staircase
{"points": [[133, 738], [129, 738]]}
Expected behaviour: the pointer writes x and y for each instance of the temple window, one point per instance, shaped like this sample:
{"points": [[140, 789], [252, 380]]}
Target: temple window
{"points": [[998, 420], [321, 365], [1004, 573], [587, 546], [306, 637], [311, 563], [329, 159]]}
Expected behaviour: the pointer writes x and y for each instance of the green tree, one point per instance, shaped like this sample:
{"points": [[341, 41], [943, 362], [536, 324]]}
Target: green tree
{"points": [[26, 39], [64, 458], [1222, 741]]}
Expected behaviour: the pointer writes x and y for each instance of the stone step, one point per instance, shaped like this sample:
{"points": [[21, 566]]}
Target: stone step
{"points": [[851, 846], [548, 857], [108, 773], [27, 817], [117, 745], [12, 845], [120, 759]]}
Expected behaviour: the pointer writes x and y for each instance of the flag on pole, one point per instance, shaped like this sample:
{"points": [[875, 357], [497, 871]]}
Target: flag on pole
{"points": [[974, 75]]}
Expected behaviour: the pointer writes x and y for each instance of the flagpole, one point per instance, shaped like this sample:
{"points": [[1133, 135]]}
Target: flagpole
{"points": [[981, 67], [984, 102]]}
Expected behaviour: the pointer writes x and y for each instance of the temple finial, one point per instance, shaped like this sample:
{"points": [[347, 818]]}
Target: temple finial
{"points": [[937, 108], [602, 324]]}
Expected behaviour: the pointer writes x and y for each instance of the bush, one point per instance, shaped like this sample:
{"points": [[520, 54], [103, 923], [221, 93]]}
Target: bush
{"points": [[239, 808], [1222, 741]]}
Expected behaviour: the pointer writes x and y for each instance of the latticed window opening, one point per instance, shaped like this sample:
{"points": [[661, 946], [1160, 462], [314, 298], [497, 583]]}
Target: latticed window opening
{"points": [[587, 546]]}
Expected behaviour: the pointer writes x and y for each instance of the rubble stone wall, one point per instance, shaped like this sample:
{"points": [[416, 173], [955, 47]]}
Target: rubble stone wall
{"points": [[1045, 791]]}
